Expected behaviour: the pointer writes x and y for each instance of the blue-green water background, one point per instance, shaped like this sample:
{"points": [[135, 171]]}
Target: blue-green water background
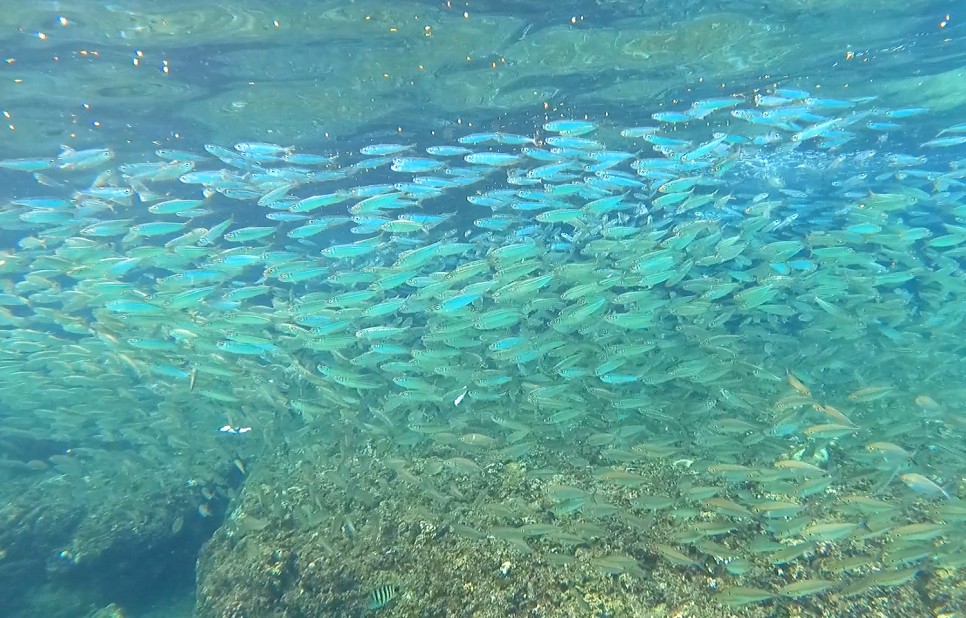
{"points": [[331, 77], [339, 74]]}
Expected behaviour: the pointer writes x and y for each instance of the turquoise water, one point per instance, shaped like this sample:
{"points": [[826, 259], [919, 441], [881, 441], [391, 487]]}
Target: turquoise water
{"points": [[600, 309]]}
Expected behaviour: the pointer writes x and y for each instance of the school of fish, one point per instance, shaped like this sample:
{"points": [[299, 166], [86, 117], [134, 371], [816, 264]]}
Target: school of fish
{"points": [[757, 288]]}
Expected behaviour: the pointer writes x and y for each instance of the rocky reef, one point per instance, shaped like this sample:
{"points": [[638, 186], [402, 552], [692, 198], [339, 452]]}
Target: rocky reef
{"points": [[318, 531], [71, 544]]}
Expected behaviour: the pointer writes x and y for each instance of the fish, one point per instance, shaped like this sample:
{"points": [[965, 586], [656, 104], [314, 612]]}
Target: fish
{"points": [[653, 328], [383, 595], [921, 484]]}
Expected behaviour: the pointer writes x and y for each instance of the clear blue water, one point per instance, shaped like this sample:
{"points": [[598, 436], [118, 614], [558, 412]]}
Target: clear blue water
{"points": [[690, 297]]}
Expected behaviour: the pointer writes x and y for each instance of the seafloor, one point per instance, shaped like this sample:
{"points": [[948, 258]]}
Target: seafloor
{"points": [[299, 522], [309, 538], [456, 527]]}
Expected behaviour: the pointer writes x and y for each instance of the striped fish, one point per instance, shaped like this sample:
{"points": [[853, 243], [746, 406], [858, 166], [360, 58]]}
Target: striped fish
{"points": [[383, 595]]}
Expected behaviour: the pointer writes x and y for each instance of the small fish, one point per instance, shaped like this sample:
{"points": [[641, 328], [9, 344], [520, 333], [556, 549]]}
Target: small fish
{"points": [[806, 587], [492, 159], [797, 384], [923, 485], [448, 151], [380, 150], [870, 393], [382, 596], [833, 413], [888, 450], [945, 142], [248, 233], [156, 228], [742, 595], [671, 117], [828, 430], [569, 127], [71, 159], [262, 148], [928, 404], [27, 165], [415, 164]]}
